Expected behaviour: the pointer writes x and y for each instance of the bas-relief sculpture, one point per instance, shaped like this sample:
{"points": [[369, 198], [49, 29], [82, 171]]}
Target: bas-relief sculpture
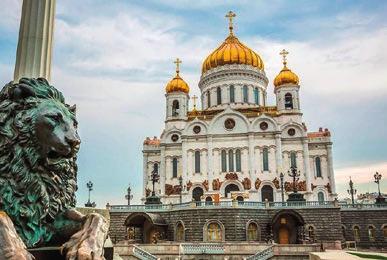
{"points": [[38, 147]]}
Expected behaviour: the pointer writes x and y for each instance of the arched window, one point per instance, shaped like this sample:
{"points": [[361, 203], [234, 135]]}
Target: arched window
{"points": [[218, 95], [232, 94], [230, 161], [224, 161], [385, 232], [256, 96], [356, 233], [208, 99], [371, 233], [238, 160], [293, 159], [175, 108], [265, 159], [343, 231], [320, 196], [318, 166], [252, 232], [174, 168], [197, 161], [288, 101], [180, 236], [197, 194], [245, 94], [311, 233], [214, 232]]}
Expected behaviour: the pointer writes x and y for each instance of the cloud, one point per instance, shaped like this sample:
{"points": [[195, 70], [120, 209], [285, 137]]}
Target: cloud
{"points": [[10, 13]]}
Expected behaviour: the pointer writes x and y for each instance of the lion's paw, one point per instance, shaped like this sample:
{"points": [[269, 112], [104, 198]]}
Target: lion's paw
{"points": [[87, 244]]}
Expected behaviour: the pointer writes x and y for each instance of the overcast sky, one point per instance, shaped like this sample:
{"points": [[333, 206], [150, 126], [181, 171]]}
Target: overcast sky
{"points": [[113, 59]]}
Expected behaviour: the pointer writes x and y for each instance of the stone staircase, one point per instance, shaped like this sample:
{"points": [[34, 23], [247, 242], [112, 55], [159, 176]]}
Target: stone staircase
{"points": [[214, 251]]}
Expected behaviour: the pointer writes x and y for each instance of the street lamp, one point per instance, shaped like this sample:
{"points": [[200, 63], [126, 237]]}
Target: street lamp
{"points": [[295, 196], [90, 204], [351, 191], [380, 198], [129, 196], [282, 186], [181, 188]]}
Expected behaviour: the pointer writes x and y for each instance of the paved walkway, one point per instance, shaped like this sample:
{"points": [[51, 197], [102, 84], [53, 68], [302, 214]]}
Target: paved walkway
{"points": [[339, 254]]}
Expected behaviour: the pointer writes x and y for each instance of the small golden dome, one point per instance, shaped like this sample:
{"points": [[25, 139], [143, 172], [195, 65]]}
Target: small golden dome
{"points": [[177, 83], [286, 76], [232, 51]]}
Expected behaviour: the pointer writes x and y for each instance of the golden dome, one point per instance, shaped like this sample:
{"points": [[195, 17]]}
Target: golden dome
{"points": [[286, 76], [232, 51], [177, 83]]}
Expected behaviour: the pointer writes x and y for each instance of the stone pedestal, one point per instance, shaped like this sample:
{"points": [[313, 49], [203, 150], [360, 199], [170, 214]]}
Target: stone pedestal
{"points": [[34, 49], [152, 200], [295, 196], [381, 200]]}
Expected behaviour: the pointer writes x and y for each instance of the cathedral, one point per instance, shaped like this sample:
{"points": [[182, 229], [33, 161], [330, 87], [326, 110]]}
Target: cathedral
{"points": [[237, 147]]}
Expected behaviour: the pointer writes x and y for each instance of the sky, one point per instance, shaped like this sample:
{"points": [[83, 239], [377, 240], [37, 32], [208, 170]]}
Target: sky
{"points": [[113, 59]]}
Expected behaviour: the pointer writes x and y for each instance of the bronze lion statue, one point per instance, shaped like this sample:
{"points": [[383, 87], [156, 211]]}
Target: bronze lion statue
{"points": [[38, 147]]}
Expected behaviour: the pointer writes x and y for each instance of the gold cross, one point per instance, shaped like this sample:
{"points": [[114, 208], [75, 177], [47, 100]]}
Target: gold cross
{"points": [[230, 15], [194, 98], [177, 62], [283, 53]]}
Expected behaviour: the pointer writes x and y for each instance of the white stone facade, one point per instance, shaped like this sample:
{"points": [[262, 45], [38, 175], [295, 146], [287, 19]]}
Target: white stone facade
{"points": [[277, 130]]}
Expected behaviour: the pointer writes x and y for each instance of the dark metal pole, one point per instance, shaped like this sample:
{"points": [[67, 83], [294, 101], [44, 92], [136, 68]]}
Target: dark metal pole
{"points": [[129, 195], [351, 191], [282, 186], [378, 177], [181, 188]]}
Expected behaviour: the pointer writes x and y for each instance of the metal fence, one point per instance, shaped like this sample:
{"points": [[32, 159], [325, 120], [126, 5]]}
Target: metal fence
{"points": [[242, 204]]}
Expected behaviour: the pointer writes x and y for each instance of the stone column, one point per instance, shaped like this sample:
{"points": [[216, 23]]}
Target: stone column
{"points": [[34, 49], [210, 162], [330, 169], [184, 174], [251, 156], [162, 171], [278, 152], [145, 174], [305, 149]]}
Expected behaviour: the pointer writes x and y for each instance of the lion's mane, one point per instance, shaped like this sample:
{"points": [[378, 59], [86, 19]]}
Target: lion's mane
{"points": [[33, 192]]}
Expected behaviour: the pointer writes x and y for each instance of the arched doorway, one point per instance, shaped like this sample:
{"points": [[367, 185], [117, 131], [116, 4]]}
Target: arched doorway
{"points": [[197, 193], [229, 188], [145, 226], [209, 200], [267, 193], [288, 227]]}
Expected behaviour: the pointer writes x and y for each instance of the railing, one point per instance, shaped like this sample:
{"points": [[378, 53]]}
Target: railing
{"points": [[142, 254], [201, 249], [262, 255], [242, 204]]}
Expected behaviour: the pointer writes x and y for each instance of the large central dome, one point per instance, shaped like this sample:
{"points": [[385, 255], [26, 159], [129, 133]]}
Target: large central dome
{"points": [[232, 51]]}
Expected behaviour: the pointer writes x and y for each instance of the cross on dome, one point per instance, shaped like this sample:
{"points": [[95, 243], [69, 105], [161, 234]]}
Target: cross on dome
{"points": [[230, 15], [284, 53], [177, 62], [194, 98]]}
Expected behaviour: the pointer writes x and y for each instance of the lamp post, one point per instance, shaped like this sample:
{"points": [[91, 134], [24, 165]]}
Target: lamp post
{"points": [[129, 195], [181, 188], [282, 186], [351, 191], [155, 177], [380, 199], [295, 196], [90, 204]]}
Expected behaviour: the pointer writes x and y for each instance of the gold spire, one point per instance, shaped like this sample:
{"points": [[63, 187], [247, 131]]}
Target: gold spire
{"points": [[283, 53], [177, 62], [194, 98], [232, 51], [177, 84], [286, 76], [230, 15]]}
